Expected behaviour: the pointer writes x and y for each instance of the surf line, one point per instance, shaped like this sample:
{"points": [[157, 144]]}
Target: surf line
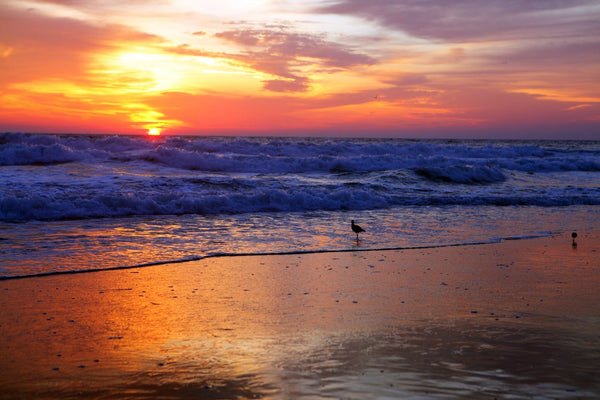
{"points": [[278, 253]]}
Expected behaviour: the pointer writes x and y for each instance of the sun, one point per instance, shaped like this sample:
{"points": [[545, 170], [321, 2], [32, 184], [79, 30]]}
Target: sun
{"points": [[154, 131]]}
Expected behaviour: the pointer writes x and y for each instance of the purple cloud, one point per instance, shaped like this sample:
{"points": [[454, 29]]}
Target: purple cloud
{"points": [[299, 84], [471, 19], [281, 53]]}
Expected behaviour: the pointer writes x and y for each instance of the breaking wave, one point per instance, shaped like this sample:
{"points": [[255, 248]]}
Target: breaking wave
{"points": [[262, 155], [52, 177]]}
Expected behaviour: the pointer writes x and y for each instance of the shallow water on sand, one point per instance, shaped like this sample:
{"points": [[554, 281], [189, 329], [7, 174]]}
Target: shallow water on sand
{"points": [[39, 247]]}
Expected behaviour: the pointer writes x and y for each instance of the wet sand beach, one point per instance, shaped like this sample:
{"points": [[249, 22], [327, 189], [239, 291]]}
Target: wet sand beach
{"points": [[518, 319]]}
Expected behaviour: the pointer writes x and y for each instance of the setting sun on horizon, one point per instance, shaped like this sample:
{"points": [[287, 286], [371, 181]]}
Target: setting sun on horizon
{"points": [[153, 132], [334, 68]]}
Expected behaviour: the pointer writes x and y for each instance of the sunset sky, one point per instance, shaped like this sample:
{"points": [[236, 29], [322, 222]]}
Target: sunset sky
{"points": [[465, 68]]}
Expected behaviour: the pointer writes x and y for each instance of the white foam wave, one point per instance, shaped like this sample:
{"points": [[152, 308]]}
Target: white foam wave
{"points": [[49, 177], [260, 155], [103, 205]]}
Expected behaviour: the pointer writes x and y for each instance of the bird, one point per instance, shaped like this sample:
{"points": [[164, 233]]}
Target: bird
{"points": [[357, 229], [574, 235]]}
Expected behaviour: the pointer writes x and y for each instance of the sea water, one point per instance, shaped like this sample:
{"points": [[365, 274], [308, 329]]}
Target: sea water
{"points": [[78, 202]]}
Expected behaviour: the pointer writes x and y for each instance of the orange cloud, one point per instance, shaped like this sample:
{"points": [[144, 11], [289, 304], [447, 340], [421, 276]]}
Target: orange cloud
{"points": [[58, 71]]}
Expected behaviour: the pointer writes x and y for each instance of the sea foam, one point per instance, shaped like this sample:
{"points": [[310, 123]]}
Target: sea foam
{"points": [[51, 177]]}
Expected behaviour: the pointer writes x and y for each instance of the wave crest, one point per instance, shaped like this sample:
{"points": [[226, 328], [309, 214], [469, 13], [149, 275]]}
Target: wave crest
{"points": [[464, 174], [125, 176], [301, 155]]}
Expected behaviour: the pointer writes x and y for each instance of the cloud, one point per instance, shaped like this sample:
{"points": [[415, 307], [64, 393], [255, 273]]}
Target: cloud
{"points": [[463, 20], [187, 50], [57, 71], [289, 45], [286, 54], [547, 49], [243, 37], [44, 47], [578, 106], [273, 65], [417, 65], [298, 84], [408, 80], [563, 54]]}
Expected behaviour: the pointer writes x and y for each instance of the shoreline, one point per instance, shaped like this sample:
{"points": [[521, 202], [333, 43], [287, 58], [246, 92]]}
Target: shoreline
{"points": [[280, 253], [500, 320]]}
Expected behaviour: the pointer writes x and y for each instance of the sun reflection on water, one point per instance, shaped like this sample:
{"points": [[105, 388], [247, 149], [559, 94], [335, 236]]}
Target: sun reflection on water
{"points": [[348, 324]]}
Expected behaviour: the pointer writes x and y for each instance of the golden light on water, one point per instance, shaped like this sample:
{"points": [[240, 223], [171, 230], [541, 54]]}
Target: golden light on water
{"points": [[265, 326]]}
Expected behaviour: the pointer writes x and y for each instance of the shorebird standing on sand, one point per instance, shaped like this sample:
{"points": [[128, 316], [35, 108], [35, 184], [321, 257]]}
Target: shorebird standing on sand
{"points": [[357, 229], [573, 235]]}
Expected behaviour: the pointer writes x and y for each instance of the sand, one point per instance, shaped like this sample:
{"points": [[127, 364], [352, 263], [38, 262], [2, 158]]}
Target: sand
{"points": [[511, 320]]}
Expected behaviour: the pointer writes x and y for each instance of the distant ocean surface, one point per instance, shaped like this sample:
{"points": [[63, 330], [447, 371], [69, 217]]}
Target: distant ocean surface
{"points": [[76, 202]]}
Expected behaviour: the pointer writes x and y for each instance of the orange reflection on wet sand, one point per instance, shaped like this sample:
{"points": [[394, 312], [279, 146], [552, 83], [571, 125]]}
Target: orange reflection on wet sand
{"points": [[381, 323]]}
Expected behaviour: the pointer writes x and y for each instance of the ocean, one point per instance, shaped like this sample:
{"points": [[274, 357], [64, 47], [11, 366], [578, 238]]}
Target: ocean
{"points": [[86, 202]]}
